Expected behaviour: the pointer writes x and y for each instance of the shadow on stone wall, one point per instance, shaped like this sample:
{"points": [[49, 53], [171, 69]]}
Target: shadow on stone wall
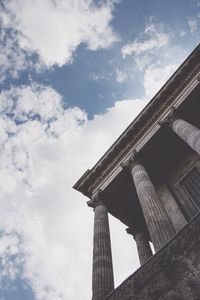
{"points": [[172, 273]]}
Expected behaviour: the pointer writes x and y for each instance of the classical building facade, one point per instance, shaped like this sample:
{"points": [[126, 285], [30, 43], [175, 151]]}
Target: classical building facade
{"points": [[150, 180]]}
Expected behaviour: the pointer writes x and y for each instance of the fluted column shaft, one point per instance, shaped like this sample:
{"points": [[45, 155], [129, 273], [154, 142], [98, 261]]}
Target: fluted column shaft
{"points": [[143, 247], [157, 221], [102, 274], [187, 132]]}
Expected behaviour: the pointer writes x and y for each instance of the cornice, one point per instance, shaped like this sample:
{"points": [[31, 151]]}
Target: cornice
{"points": [[150, 114]]}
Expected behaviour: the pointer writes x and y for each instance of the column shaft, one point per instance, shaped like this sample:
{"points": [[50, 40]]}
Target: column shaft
{"points": [[157, 221], [143, 247], [103, 279], [187, 132]]}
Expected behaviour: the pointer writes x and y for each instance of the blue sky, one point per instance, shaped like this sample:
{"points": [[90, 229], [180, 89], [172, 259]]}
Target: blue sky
{"points": [[73, 75]]}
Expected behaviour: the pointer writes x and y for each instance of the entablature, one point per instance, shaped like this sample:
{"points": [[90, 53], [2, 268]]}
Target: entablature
{"points": [[139, 132]]}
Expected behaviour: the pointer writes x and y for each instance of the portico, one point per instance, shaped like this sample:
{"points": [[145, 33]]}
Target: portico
{"points": [[150, 177]]}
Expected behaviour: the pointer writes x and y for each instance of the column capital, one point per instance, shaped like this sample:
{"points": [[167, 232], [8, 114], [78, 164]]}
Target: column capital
{"points": [[131, 231], [171, 117], [97, 199], [134, 231], [128, 165]]}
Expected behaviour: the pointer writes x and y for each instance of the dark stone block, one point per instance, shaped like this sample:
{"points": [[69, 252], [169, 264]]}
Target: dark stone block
{"points": [[172, 273]]}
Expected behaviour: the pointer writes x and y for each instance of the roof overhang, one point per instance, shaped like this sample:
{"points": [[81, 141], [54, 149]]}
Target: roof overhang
{"points": [[136, 135]]}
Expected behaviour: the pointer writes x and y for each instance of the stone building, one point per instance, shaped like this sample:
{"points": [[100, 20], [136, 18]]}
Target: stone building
{"points": [[149, 179]]}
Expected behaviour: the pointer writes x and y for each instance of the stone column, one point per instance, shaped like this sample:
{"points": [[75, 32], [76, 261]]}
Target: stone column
{"points": [[187, 132], [143, 247], [157, 221], [102, 273]]}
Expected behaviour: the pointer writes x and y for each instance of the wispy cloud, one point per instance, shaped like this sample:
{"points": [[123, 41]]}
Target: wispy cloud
{"points": [[101, 76], [121, 76], [182, 33], [151, 39], [193, 24], [155, 54]]}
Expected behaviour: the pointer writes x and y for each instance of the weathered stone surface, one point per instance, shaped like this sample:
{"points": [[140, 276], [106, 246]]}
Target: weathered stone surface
{"points": [[159, 226], [102, 277], [187, 132], [172, 273]]}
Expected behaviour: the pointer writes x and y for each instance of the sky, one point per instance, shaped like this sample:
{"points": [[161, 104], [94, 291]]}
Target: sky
{"points": [[73, 75]]}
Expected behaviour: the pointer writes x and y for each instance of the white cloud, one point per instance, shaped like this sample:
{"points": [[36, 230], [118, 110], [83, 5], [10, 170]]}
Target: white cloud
{"points": [[193, 24], [44, 150], [155, 55], [121, 76], [155, 76], [54, 29], [10, 268], [150, 40], [12, 58], [32, 101]]}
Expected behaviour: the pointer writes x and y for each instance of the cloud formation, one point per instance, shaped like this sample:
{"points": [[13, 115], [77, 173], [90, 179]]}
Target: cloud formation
{"points": [[54, 29], [44, 150], [12, 58], [155, 76]]}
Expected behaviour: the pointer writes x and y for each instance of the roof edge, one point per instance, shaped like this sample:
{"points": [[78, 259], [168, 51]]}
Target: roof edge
{"points": [[80, 184]]}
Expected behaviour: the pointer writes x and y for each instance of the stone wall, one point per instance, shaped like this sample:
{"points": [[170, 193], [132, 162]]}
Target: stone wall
{"points": [[172, 273]]}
